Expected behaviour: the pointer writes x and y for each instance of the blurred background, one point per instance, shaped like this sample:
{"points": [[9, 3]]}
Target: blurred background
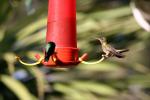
{"points": [[22, 32]]}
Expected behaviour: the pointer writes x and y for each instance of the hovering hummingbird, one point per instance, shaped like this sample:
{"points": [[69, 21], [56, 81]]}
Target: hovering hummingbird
{"points": [[49, 50], [109, 50]]}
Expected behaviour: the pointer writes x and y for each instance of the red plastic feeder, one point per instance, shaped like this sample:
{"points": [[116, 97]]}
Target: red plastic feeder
{"points": [[61, 29]]}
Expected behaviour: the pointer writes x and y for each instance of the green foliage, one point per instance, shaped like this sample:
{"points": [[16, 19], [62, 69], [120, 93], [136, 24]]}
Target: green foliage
{"points": [[22, 32], [17, 88]]}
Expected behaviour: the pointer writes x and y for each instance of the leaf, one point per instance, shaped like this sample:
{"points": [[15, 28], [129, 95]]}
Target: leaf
{"points": [[142, 80], [19, 89], [2, 32], [69, 92], [98, 88], [29, 29], [112, 14], [39, 81], [27, 41]]}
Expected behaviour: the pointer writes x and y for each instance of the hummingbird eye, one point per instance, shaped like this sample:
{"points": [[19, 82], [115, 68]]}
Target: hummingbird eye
{"points": [[102, 39]]}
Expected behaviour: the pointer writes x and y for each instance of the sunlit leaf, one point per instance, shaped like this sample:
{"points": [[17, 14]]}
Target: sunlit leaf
{"points": [[27, 41], [112, 13], [31, 28], [95, 87], [70, 92], [2, 31]]}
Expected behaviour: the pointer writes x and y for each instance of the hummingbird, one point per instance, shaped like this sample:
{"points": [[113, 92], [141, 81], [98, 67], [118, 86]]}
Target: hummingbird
{"points": [[109, 50], [49, 50]]}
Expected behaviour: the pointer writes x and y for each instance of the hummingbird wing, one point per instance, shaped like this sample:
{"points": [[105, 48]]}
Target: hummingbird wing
{"points": [[113, 51], [49, 50]]}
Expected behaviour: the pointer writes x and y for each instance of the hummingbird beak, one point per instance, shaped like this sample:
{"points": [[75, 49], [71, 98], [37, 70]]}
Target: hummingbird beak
{"points": [[99, 39]]}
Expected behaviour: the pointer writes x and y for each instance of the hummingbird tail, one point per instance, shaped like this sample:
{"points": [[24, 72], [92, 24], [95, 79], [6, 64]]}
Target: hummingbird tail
{"points": [[120, 56], [123, 50]]}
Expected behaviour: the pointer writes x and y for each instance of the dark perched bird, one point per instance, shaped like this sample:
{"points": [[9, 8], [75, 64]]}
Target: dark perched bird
{"points": [[109, 50], [49, 50]]}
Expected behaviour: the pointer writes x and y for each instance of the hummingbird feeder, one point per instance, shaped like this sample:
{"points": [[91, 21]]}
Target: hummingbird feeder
{"points": [[61, 30]]}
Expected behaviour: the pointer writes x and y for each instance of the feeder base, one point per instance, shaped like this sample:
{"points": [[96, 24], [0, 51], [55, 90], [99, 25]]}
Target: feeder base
{"points": [[55, 63]]}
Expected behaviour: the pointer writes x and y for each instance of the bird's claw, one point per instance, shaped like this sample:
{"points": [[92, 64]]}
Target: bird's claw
{"points": [[105, 56]]}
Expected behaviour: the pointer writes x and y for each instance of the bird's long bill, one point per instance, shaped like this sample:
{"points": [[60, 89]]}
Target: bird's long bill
{"points": [[100, 40]]}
